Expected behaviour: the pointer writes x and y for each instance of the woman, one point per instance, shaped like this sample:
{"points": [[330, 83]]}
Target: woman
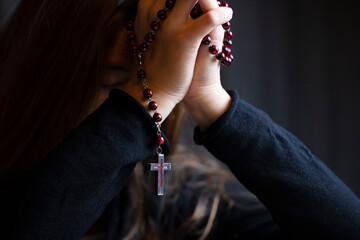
{"points": [[69, 145]]}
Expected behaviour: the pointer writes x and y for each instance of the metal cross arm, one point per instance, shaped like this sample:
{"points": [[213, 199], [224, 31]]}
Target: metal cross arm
{"points": [[160, 167]]}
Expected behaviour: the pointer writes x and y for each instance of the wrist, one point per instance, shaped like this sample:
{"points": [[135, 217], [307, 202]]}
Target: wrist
{"points": [[206, 108], [165, 104]]}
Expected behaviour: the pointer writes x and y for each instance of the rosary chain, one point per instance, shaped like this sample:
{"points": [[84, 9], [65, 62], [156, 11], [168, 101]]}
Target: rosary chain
{"points": [[225, 57]]}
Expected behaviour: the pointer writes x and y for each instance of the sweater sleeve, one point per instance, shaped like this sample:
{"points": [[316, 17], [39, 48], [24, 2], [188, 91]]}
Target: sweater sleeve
{"points": [[64, 195], [303, 195]]}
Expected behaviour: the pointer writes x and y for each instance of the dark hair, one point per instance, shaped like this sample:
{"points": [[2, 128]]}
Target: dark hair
{"points": [[52, 55]]}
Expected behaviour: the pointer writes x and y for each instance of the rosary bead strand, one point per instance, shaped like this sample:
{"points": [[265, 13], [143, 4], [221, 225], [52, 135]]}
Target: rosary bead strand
{"points": [[139, 51], [225, 57]]}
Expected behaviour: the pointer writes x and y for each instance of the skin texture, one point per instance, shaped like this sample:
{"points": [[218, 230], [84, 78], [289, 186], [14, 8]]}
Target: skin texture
{"points": [[181, 70]]}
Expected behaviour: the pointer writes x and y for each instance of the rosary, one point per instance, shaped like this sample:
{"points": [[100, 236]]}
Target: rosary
{"points": [[225, 57]]}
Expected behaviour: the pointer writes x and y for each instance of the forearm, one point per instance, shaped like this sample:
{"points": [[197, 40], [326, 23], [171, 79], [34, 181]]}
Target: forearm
{"points": [[71, 187], [302, 194]]}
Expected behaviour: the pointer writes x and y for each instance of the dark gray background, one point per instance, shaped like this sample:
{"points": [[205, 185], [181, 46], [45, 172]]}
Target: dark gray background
{"points": [[299, 62]]}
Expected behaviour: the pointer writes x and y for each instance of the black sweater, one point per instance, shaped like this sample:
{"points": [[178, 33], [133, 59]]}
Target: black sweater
{"points": [[65, 194]]}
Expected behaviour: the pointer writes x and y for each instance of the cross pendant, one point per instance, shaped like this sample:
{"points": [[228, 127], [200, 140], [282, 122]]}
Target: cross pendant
{"points": [[160, 167]]}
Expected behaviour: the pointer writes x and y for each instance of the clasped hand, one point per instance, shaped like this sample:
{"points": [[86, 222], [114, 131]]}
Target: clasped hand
{"points": [[179, 68]]}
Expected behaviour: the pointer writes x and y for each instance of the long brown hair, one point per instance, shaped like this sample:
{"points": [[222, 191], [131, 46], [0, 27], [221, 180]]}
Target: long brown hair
{"points": [[51, 63]]}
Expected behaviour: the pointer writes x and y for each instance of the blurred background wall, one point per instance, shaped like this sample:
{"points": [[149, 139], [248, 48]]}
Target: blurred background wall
{"points": [[7, 7], [299, 61]]}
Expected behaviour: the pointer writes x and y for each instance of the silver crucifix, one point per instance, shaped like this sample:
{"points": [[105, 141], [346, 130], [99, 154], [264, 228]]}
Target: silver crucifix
{"points": [[160, 167]]}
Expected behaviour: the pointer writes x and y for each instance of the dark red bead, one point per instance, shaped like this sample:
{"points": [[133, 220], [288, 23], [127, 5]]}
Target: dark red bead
{"points": [[226, 50], [206, 40], [227, 43], [224, 4], [154, 26], [228, 61], [170, 4], [141, 74], [226, 26], [134, 49], [195, 13], [157, 117], [131, 36], [219, 3], [161, 14], [129, 26], [147, 93], [231, 56], [153, 105], [213, 49], [149, 37], [228, 35], [197, 6], [160, 140], [220, 56], [199, 10], [143, 47]]}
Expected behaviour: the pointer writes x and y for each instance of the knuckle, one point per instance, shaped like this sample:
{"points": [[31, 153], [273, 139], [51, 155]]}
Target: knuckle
{"points": [[212, 19]]}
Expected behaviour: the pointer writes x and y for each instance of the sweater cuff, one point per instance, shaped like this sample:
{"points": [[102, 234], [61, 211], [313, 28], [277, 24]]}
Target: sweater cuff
{"points": [[119, 97], [200, 138]]}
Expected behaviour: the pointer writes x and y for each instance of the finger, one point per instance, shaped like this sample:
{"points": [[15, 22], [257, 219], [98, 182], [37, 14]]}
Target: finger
{"points": [[145, 5], [217, 37], [203, 25], [207, 5], [181, 10], [142, 21], [156, 7], [216, 34]]}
